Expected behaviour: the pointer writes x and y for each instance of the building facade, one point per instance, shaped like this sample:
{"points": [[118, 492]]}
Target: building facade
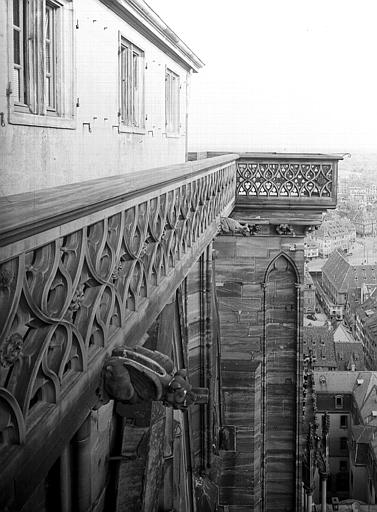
{"points": [[334, 234], [365, 222], [340, 279], [311, 249], [366, 330], [319, 342], [309, 294], [105, 94], [350, 399], [349, 352]]}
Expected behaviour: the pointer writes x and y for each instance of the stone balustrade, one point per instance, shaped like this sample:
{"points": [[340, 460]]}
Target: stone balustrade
{"points": [[88, 266], [308, 181]]}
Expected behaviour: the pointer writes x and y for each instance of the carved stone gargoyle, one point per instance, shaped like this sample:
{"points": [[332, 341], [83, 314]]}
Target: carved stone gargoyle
{"points": [[134, 375], [285, 229], [229, 226]]}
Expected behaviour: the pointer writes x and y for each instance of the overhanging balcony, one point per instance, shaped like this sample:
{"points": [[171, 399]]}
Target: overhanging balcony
{"points": [[281, 180], [283, 188]]}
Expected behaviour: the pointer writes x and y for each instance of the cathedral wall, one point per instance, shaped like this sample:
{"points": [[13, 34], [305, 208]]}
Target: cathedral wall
{"points": [[257, 283]]}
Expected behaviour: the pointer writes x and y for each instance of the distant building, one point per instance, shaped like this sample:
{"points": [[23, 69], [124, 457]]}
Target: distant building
{"points": [[339, 277], [365, 222], [333, 392], [355, 298], [336, 233], [309, 293], [367, 290], [350, 398], [366, 330], [311, 249], [349, 352], [319, 342]]}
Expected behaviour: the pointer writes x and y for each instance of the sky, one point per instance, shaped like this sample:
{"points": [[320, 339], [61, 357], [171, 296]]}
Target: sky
{"points": [[280, 75]]}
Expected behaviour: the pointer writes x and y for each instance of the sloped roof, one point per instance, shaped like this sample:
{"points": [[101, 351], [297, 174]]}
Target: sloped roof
{"points": [[367, 313], [335, 382], [308, 278], [362, 434], [343, 335], [320, 341], [348, 350], [364, 216], [332, 228], [349, 354], [365, 394], [344, 276], [371, 289]]}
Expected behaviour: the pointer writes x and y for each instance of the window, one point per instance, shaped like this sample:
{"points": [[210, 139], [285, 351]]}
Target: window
{"points": [[172, 102], [38, 94], [19, 51], [339, 402], [131, 66], [343, 421], [50, 56], [343, 443]]}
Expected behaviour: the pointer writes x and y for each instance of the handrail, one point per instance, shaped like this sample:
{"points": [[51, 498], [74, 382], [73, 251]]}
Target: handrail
{"points": [[26, 214]]}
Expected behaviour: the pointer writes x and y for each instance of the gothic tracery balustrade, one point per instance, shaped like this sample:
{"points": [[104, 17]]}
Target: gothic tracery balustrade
{"points": [[67, 289], [307, 179], [82, 263]]}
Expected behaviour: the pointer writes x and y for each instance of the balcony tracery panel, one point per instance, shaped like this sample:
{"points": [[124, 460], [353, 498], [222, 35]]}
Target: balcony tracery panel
{"points": [[293, 179], [63, 300]]}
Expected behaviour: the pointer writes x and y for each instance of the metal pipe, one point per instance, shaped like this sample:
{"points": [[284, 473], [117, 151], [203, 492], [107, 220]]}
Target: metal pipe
{"points": [[65, 480], [82, 453]]}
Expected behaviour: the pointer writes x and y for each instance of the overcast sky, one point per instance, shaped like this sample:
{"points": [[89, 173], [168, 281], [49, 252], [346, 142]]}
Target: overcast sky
{"points": [[292, 75]]}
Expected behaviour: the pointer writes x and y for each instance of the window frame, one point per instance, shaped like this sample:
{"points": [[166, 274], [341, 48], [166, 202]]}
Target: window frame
{"points": [[36, 112], [172, 104], [345, 426], [339, 405], [54, 47], [124, 126]]}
